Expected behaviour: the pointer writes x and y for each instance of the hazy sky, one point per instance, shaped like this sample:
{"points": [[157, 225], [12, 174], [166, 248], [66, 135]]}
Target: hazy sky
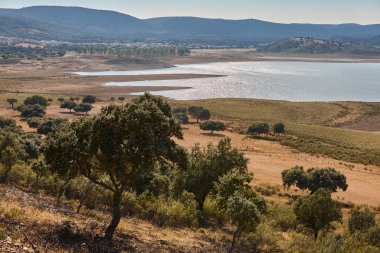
{"points": [[286, 11]]}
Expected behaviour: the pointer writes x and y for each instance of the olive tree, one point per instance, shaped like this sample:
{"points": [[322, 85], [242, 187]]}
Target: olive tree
{"points": [[314, 178], [89, 100], [83, 107], [317, 211], [68, 105], [36, 100], [116, 146]]}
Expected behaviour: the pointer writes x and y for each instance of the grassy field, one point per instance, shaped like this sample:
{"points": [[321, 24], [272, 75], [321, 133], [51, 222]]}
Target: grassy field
{"points": [[306, 123]]}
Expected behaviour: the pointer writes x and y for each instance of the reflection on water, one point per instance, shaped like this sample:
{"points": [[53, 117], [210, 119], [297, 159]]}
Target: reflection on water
{"points": [[295, 81]]}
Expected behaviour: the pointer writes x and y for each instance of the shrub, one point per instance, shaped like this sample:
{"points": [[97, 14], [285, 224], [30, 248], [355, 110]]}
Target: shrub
{"points": [[83, 108], [282, 216], [89, 99], [361, 221], [260, 128], [373, 236], [279, 128], [28, 111], [5, 123], [182, 118]]}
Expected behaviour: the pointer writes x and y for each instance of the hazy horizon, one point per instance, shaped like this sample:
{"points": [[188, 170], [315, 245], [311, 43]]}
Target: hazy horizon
{"points": [[279, 11]]}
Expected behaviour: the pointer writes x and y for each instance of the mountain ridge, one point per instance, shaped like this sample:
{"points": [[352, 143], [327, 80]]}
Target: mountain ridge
{"points": [[112, 25]]}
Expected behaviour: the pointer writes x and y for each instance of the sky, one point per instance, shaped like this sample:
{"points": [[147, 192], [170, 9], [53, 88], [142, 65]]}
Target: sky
{"points": [[282, 11]]}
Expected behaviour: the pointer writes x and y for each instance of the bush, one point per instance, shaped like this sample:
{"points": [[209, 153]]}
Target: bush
{"points": [[260, 128], [279, 128], [282, 216], [373, 236], [5, 122], [34, 122], [361, 221], [182, 118], [22, 175]]}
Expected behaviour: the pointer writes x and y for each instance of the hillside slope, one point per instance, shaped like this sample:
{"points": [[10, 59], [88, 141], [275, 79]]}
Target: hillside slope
{"points": [[100, 24]]}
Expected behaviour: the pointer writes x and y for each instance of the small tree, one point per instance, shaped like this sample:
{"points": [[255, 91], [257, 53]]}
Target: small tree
{"points": [[317, 211], [11, 101], [89, 100], [121, 99], [112, 99], [260, 128], [11, 152], [36, 100], [49, 125], [83, 108], [61, 100], [207, 165], [314, 178], [279, 128], [199, 113], [205, 114], [212, 126], [68, 105], [41, 170], [361, 221], [28, 111]]}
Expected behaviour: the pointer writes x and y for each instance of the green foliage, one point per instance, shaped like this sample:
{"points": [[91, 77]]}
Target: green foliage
{"points": [[260, 128], [317, 211], [41, 169], [34, 122], [61, 100], [83, 107], [199, 113], [47, 126], [361, 221], [207, 165], [3, 234], [7, 123], [11, 101], [121, 98], [279, 128], [11, 152], [116, 146], [36, 100], [68, 105], [373, 236], [282, 217], [28, 111], [212, 126], [314, 178], [89, 99]]}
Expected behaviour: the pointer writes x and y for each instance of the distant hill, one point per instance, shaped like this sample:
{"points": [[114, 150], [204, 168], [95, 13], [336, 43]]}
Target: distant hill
{"points": [[77, 23], [316, 46]]}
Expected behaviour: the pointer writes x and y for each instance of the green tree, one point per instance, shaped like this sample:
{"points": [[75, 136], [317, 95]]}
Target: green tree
{"points": [[361, 221], [41, 169], [207, 165], [260, 128], [121, 99], [83, 108], [205, 114], [199, 112], [116, 146], [89, 100], [212, 126], [36, 100], [28, 111], [279, 128], [68, 105], [317, 211], [5, 123], [11, 101], [314, 178], [11, 152], [61, 100]]}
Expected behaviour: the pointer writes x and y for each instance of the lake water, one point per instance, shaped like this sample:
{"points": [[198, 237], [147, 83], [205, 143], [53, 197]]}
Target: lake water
{"points": [[294, 81]]}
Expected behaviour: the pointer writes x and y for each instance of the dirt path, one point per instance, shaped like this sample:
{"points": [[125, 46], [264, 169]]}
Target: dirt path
{"points": [[269, 159]]}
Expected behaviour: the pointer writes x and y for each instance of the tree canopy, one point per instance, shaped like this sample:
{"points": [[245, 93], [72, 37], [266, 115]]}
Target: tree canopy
{"points": [[314, 178], [317, 211], [260, 128], [114, 147], [212, 126]]}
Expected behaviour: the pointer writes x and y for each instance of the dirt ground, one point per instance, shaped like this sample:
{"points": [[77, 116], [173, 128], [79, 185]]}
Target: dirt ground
{"points": [[268, 159]]}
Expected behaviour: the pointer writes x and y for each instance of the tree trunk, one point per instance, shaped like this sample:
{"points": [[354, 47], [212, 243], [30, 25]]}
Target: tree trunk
{"points": [[116, 216], [315, 234], [236, 233], [80, 205]]}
